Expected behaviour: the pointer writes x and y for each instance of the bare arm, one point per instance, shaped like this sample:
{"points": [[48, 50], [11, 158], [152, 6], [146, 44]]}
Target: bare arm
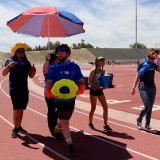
{"points": [[32, 72], [49, 84], [6, 70], [157, 61], [158, 69], [103, 72], [90, 79], [46, 64], [135, 84]]}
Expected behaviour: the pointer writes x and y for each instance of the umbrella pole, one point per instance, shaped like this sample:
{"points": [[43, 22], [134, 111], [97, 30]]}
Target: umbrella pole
{"points": [[48, 43], [48, 35]]}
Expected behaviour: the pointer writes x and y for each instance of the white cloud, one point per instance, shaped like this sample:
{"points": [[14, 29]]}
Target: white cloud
{"points": [[106, 23]]}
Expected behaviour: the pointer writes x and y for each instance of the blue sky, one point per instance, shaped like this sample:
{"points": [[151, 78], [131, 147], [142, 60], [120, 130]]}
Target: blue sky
{"points": [[108, 24]]}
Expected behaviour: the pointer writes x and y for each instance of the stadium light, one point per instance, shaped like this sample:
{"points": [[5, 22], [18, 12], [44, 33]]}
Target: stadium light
{"points": [[136, 24], [157, 45]]}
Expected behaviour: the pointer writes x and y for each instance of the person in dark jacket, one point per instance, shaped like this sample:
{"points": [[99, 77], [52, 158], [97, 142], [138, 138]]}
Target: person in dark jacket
{"points": [[52, 115]]}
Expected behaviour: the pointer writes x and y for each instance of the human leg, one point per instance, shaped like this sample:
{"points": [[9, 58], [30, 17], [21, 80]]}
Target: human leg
{"points": [[93, 100], [103, 102], [67, 135], [152, 94], [144, 94], [17, 117], [19, 101], [65, 110], [52, 115], [64, 117]]}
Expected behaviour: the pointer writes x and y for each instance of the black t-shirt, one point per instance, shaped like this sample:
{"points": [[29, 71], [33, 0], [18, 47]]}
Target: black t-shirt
{"points": [[18, 78], [148, 77]]}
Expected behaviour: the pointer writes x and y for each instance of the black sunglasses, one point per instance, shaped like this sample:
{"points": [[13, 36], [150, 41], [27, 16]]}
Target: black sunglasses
{"points": [[20, 51], [151, 58]]}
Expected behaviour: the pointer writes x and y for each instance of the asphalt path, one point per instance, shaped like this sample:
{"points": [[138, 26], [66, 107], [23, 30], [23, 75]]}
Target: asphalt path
{"points": [[125, 142]]}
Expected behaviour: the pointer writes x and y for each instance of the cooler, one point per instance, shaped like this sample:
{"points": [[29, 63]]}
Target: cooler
{"points": [[106, 81]]}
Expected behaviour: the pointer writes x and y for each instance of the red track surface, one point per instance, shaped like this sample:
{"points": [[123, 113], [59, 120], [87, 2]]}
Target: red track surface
{"points": [[125, 142]]}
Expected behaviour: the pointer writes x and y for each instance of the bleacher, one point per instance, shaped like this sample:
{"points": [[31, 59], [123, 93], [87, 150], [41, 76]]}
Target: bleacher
{"points": [[120, 54]]}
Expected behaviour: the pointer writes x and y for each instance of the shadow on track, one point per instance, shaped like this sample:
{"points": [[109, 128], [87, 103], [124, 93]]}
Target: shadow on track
{"points": [[116, 134], [87, 146], [156, 132]]}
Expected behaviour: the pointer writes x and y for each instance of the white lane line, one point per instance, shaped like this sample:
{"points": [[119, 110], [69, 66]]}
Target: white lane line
{"points": [[119, 146], [33, 139], [37, 142], [114, 144]]}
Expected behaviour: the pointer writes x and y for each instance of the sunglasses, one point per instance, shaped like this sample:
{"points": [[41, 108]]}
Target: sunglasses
{"points": [[20, 51], [152, 58]]}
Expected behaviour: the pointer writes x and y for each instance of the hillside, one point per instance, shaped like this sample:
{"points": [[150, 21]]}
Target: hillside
{"points": [[84, 56], [80, 56]]}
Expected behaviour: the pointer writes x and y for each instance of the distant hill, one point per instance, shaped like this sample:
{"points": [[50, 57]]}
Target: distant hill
{"points": [[38, 57], [85, 56]]}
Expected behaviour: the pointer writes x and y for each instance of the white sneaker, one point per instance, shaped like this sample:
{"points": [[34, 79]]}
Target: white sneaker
{"points": [[139, 126], [148, 127]]}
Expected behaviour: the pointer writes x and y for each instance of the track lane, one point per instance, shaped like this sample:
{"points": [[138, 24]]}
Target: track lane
{"points": [[41, 121]]}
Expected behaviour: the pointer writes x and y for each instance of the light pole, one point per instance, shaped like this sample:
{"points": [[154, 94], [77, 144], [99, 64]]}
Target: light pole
{"points": [[157, 45], [136, 26]]}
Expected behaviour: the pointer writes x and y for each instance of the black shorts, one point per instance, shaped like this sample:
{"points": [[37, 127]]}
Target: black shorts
{"points": [[96, 92], [19, 100], [65, 109]]}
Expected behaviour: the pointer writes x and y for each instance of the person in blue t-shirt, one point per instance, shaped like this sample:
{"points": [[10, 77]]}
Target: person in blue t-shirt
{"points": [[19, 68], [147, 88], [70, 73]]}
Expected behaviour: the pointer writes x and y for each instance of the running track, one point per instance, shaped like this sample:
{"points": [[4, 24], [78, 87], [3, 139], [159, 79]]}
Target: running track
{"points": [[125, 142]]}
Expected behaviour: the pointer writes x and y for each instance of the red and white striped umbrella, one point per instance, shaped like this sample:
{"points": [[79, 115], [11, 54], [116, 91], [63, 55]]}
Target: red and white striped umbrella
{"points": [[46, 22]]}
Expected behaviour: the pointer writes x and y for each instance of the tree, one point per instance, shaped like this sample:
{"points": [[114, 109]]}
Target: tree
{"points": [[81, 45], [54, 45], [139, 45]]}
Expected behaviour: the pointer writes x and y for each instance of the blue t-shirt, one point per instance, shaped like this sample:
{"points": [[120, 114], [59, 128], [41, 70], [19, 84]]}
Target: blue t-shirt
{"points": [[64, 70], [19, 75]]}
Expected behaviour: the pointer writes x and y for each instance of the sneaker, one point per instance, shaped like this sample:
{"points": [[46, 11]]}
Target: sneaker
{"points": [[71, 150], [107, 128], [148, 127], [91, 126], [139, 126], [21, 130], [15, 133]]}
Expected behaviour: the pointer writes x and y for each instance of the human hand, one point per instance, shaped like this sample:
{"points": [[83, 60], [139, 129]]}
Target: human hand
{"points": [[11, 65], [48, 56], [33, 68], [133, 91]]}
